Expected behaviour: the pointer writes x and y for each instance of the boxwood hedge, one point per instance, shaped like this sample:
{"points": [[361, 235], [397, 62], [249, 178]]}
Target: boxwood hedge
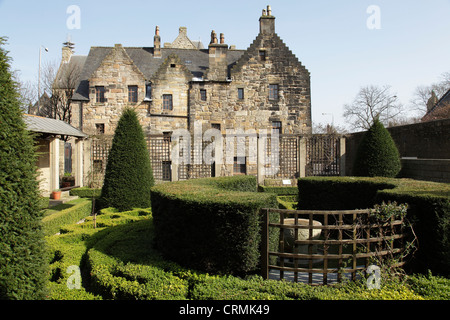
{"points": [[213, 224], [428, 209]]}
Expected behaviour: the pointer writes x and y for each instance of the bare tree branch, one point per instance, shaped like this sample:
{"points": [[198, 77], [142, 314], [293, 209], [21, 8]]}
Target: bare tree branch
{"points": [[372, 102]]}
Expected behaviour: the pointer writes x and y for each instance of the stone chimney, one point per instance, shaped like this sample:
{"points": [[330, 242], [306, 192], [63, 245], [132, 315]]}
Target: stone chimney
{"points": [[267, 22], [157, 44], [67, 51], [218, 64]]}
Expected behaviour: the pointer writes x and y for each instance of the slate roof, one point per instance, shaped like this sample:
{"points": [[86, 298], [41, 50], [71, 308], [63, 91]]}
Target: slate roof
{"points": [[197, 62], [69, 72], [51, 126]]}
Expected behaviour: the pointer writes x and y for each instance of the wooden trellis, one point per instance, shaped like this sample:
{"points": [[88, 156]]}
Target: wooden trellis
{"points": [[323, 155], [348, 243]]}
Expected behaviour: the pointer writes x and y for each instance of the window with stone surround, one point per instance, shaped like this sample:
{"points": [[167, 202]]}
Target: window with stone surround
{"points": [[203, 94], [273, 92], [100, 94], [276, 127], [241, 93], [133, 94], [262, 55], [167, 102], [100, 128], [148, 92], [239, 166]]}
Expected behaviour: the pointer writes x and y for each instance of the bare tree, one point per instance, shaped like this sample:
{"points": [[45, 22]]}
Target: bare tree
{"points": [[61, 83], [26, 90], [372, 102], [425, 97]]}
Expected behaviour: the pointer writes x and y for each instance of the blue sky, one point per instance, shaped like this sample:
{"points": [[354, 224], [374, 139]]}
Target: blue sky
{"points": [[330, 38]]}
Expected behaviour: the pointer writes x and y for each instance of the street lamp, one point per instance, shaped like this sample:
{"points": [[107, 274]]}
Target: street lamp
{"points": [[39, 80]]}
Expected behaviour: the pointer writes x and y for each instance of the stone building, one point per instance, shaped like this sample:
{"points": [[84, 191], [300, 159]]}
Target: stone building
{"points": [[175, 84], [179, 84]]}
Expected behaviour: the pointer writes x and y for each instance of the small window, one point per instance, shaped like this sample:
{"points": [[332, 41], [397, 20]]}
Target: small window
{"points": [[203, 94], [273, 92], [276, 127], [132, 94], [241, 93], [215, 126], [148, 91], [262, 55], [239, 166], [100, 128], [167, 102], [173, 65], [100, 94]]}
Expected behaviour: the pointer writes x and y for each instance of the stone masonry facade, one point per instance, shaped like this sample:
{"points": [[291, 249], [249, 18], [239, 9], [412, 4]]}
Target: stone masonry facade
{"points": [[179, 84]]}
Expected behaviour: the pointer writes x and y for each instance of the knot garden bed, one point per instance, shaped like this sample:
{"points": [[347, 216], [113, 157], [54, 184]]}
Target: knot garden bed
{"points": [[323, 247]]}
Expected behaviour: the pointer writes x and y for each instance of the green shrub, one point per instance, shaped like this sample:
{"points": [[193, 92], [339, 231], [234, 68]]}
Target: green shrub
{"points": [[79, 209], [22, 248], [281, 191], [205, 225], [428, 209], [377, 155], [85, 192], [128, 175]]}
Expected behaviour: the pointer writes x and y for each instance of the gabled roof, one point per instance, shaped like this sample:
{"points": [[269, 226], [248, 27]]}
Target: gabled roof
{"points": [[51, 126], [196, 61]]}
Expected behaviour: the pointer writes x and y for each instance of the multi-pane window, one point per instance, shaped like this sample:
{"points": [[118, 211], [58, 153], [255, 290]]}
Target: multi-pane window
{"points": [[167, 102], [276, 127], [132, 94], [239, 166], [100, 94], [273, 92], [203, 94], [241, 93]]}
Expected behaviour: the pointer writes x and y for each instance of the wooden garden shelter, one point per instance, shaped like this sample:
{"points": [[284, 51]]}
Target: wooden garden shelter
{"points": [[50, 135]]}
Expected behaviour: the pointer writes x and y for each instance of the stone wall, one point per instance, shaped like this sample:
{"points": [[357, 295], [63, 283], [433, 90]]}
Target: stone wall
{"points": [[437, 170], [425, 140]]}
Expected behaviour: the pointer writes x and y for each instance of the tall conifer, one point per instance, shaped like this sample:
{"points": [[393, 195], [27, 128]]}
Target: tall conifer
{"points": [[128, 176], [377, 154], [23, 262]]}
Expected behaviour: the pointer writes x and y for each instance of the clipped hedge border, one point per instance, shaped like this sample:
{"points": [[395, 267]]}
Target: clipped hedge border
{"points": [[428, 202], [281, 191], [85, 192], [212, 224], [53, 222]]}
